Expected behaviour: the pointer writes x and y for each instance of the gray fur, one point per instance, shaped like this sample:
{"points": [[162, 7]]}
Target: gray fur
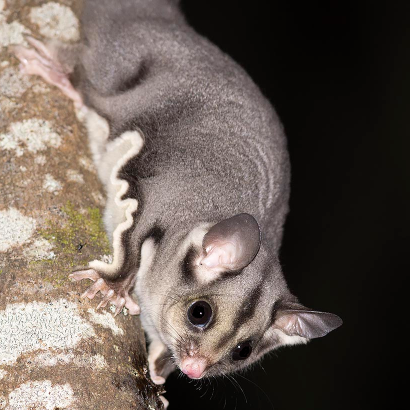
{"points": [[213, 148]]}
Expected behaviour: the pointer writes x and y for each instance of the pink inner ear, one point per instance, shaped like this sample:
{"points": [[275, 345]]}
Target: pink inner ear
{"points": [[222, 255], [289, 324], [231, 244]]}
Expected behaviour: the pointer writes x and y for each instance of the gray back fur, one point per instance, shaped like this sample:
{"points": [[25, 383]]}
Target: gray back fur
{"points": [[214, 145]]}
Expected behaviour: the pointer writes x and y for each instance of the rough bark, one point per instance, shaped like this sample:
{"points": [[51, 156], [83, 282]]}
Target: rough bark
{"points": [[56, 350]]}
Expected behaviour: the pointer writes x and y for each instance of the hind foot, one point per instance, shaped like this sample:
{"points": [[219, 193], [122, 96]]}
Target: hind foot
{"points": [[40, 61]]}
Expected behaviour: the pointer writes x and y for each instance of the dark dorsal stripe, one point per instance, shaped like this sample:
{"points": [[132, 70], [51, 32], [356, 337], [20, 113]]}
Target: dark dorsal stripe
{"points": [[187, 268], [244, 314], [156, 232]]}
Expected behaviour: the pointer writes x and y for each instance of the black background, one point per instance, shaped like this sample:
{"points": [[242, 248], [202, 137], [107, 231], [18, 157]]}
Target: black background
{"points": [[338, 74]]}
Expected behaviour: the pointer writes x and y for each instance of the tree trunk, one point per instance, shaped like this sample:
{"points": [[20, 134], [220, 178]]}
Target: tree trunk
{"points": [[56, 350]]}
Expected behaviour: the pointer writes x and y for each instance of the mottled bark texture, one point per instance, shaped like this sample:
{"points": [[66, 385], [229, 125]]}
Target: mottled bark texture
{"points": [[56, 350]]}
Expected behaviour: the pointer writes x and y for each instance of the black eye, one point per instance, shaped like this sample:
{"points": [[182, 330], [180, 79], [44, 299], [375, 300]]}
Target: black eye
{"points": [[199, 313], [242, 351]]}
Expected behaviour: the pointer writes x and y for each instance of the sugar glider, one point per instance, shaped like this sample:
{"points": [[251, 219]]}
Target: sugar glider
{"points": [[194, 161]]}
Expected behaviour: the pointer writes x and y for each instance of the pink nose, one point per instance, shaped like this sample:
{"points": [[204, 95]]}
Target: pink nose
{"points": [[193, 367]]}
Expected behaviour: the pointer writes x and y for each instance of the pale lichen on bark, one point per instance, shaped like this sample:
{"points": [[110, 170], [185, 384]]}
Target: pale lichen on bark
{"points": [[56, 350]]}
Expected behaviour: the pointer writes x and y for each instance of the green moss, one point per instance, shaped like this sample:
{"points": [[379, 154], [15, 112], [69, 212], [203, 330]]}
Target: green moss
{"points": [[77, 238]]}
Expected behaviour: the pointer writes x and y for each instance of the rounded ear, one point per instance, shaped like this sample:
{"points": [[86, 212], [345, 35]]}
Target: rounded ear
{"points": [[309, 324], [232, 243]]}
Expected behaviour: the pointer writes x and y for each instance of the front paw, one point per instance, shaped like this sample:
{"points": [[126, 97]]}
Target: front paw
{"points": [[116, 293], [159, 361]]}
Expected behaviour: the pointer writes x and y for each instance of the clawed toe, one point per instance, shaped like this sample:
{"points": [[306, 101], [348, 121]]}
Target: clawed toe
{"points": [[158, 379], [132, 306], [119, 304], [84, 274], [107, 298], [94, 289], [28, 58], [164, 401], [40, 47]]}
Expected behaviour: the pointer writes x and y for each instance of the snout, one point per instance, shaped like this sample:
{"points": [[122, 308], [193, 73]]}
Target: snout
{"points": [[193, 367]]}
